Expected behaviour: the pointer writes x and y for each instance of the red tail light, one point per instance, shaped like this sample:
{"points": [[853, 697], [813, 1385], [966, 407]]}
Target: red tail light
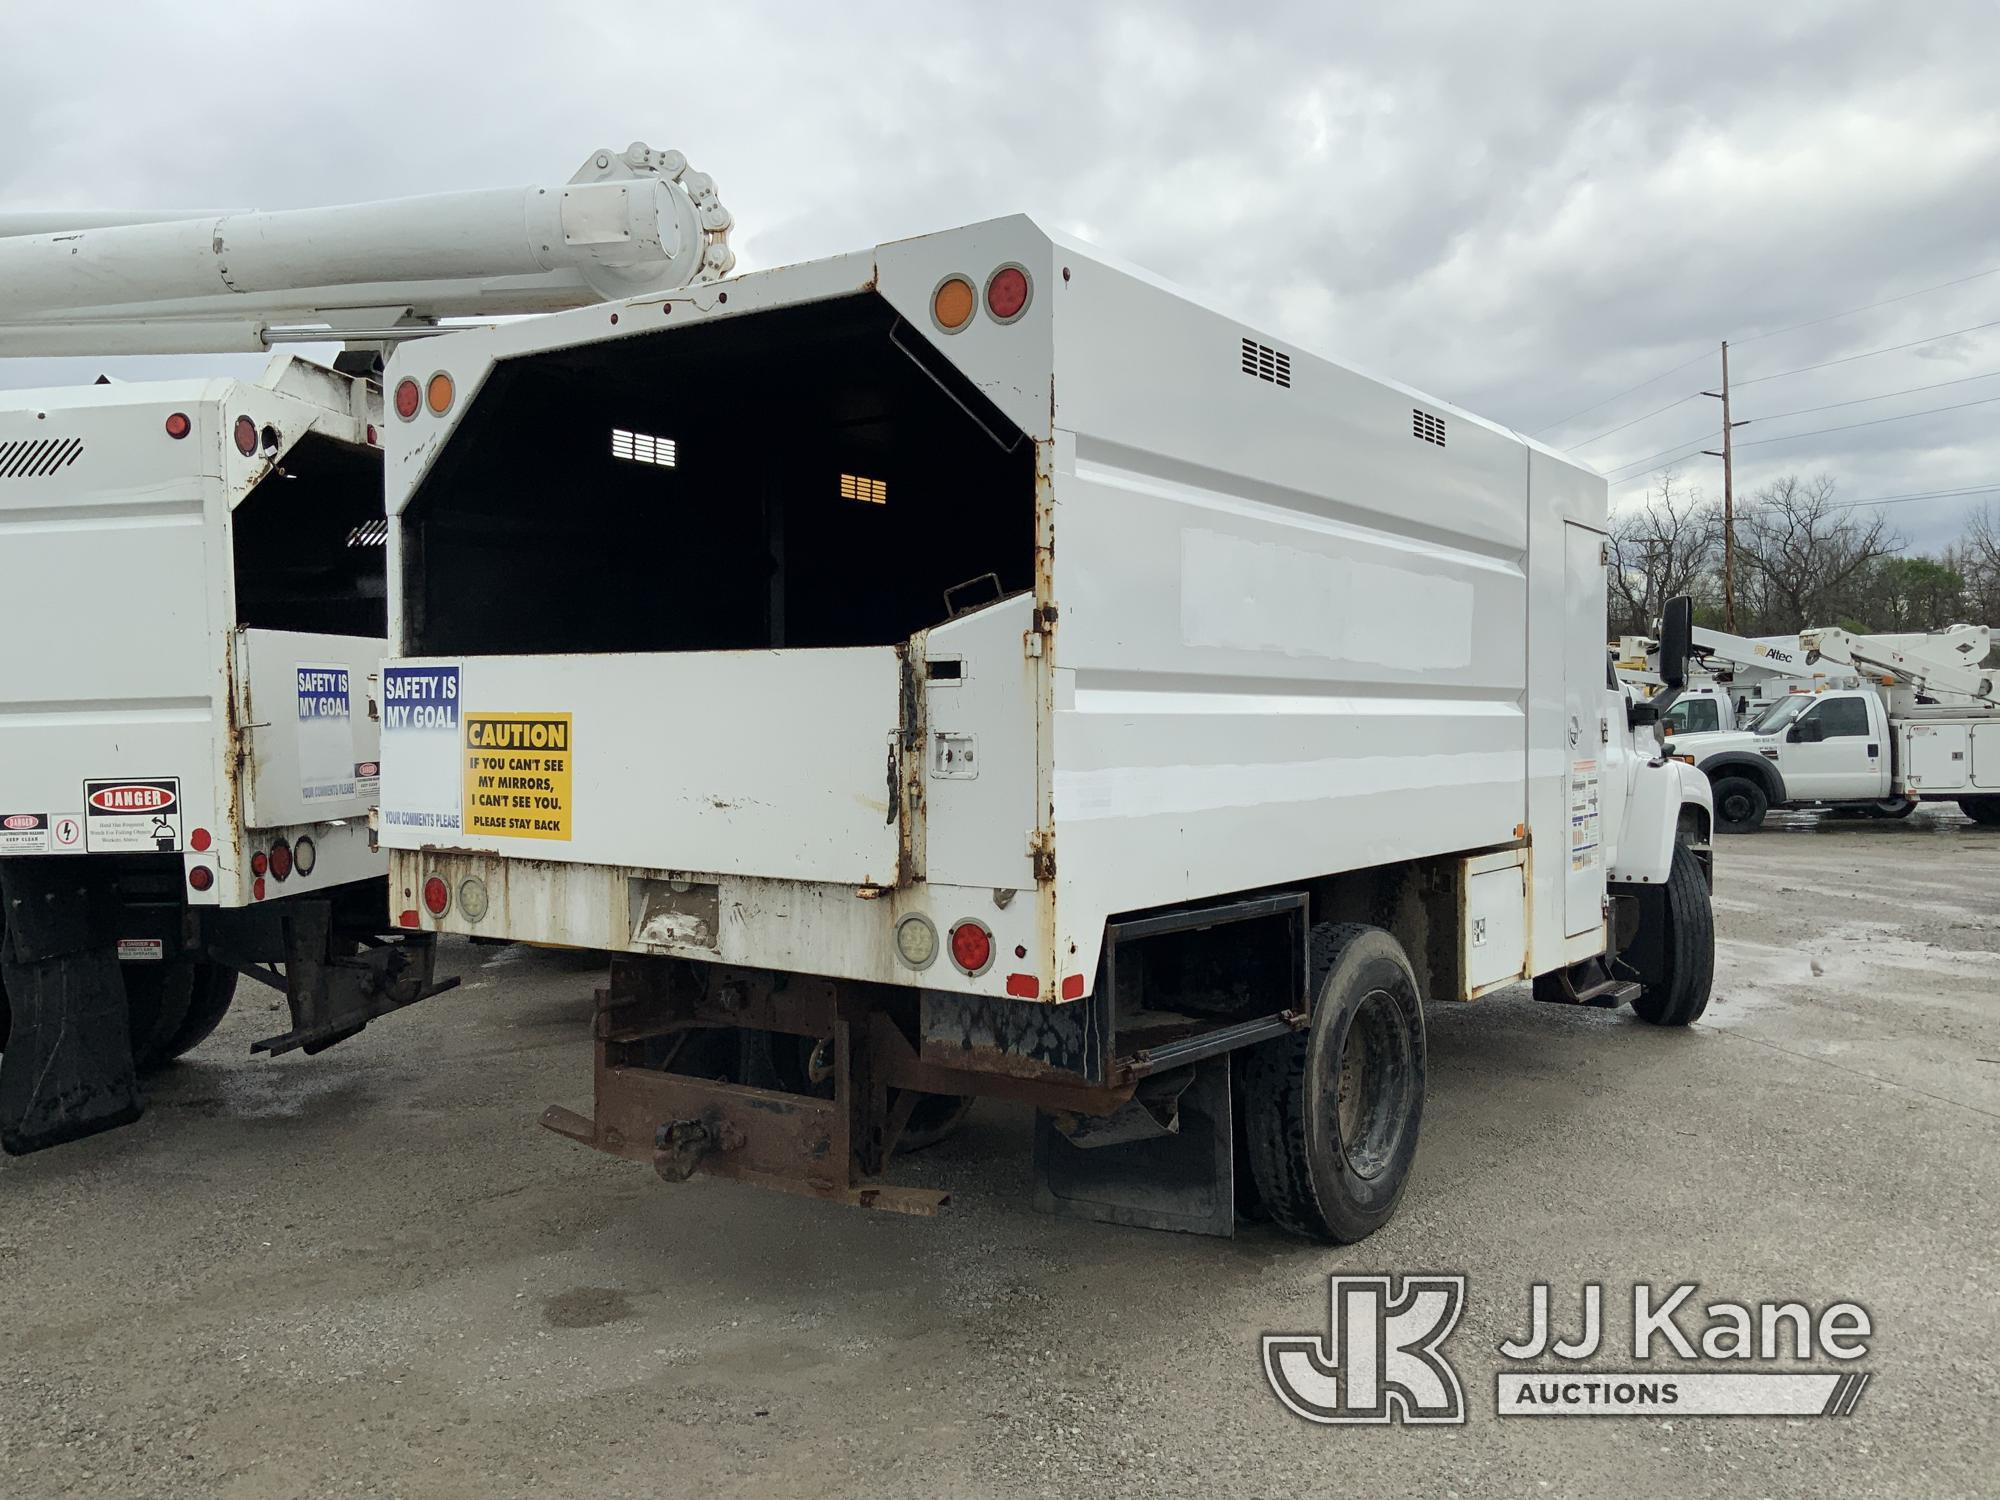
{"points": [[178, 425], [971, 947], [409, 397], [259, 864], [201, 877], [199, 840], [246, 436], [437, 896], [1007, 293], [281, 859]]}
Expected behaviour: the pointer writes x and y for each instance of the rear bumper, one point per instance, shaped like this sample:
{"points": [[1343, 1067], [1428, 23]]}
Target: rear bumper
{"points": [[792, 926]]}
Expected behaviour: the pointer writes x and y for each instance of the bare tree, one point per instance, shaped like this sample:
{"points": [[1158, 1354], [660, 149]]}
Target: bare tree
{"points": [[1979, 560], [1666, 545], [1803, 553]]}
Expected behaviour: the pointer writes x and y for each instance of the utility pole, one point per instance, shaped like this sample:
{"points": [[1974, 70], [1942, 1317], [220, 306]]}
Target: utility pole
{"points": [[1727, 456]]}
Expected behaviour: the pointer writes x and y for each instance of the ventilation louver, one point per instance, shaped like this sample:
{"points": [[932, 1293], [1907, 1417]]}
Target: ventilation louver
{"points": [[1426, 427], [1267, 363], [373, 533], [37, 458], [643, 448]]}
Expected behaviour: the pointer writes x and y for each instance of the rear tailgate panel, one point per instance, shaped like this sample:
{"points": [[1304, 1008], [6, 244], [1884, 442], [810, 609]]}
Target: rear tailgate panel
{"points": [[778, 764]]}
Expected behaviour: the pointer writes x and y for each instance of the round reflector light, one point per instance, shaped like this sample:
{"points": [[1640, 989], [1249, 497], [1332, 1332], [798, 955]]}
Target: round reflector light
{"points": [[472, 898], [281, 859], [437, 896], [409, 399], [1007, 293], [972, 947], [201, 877], [200, 839], [953, 302], [305, 854], [438, 393], [259, 864], [178, 425], [246, 436], [916, 940]]}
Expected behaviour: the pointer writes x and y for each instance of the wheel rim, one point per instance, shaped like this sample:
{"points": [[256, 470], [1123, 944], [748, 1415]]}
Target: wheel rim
{"points": [[1735, 807], [1371, 1094]]}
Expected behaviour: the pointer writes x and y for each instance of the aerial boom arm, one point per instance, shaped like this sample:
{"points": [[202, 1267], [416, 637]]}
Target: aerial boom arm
{"points": [[627, 223], [1925, 676]]}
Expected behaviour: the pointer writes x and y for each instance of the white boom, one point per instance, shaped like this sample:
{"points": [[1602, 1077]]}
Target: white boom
{"points": [[1924, 675], [627, 223]]}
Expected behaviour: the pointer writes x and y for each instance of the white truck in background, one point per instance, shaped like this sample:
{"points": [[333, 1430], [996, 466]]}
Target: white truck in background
{"points": [[971, 667], [193, 605], [1915, 729]]}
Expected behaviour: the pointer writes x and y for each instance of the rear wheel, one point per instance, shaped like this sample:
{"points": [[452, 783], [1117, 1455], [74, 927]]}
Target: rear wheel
{"points": [[214, 989], [1740, 805], [1331, 1114], [1982, 810], [1678, 995], [172, 1007]]}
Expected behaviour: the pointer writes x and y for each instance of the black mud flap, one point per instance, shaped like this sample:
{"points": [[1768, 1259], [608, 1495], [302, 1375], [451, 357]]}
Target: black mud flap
{"points": [[67, 1069], [1166, 1160], [337, 981]]}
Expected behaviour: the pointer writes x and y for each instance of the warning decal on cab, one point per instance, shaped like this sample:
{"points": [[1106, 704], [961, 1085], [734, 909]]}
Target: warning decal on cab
{"points": [[24, 833], [135, 813], [517, 778]]}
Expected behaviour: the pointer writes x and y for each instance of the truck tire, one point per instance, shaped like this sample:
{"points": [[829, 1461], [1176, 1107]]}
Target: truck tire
{"points": [[1331, 1114], [1740, 805], [1680, 996], [1984, 811], [214, 989]]}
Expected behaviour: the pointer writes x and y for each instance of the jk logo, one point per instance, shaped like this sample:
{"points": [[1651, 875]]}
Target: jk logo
{"points": [[1379, 1359]]}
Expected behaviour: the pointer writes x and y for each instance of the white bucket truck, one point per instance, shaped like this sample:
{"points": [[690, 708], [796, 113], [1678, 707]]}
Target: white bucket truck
{"points": [[193, 606], [971, 667], [1916, 719]]}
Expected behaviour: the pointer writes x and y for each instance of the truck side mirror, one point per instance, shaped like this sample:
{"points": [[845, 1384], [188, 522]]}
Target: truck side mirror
{"points": [[1676, 640]]}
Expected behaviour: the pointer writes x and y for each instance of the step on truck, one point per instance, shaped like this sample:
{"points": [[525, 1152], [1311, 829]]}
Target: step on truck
{"points": [[1917, 726], [970, 667], [193, 603]]}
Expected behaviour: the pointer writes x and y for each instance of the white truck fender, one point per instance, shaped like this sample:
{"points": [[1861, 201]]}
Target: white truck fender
{"points": [[1656, 797]]}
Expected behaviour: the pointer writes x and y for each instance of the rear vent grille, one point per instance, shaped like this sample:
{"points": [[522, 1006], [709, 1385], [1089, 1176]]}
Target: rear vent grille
{"points": [[1426, 427], [373, 533], [861, 487], [1267, 363], [37, 458], [643, 448]]}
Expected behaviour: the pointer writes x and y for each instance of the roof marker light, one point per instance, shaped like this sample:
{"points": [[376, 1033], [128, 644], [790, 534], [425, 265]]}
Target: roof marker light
{"points": [[953, 303], [178, 425], [246, 436], [438, 393], [409, 399], [1007, 293]]}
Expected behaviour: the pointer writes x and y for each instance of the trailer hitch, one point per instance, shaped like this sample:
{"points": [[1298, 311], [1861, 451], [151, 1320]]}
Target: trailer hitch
{"points": [[680, 1145]]}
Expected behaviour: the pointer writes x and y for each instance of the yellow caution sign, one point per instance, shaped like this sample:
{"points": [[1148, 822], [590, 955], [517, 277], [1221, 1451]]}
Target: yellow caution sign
{"points": [[517, 775]]}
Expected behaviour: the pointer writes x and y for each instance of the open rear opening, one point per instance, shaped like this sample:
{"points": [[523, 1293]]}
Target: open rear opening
{"points": [[309, 541], [810, 476]]}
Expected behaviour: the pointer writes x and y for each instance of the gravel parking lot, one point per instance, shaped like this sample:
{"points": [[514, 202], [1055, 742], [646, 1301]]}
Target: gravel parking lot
{"points": [[371, 1273]]}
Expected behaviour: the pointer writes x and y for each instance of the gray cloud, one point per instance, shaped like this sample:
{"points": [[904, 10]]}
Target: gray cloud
{"points": [[1521, 208]]}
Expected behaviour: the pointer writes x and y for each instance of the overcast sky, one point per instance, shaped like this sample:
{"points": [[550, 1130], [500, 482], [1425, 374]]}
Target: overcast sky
{"points": [[1524, 209]]}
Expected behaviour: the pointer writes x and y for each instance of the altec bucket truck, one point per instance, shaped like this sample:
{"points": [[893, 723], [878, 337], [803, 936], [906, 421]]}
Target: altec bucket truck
{"points": [[193, 607]]}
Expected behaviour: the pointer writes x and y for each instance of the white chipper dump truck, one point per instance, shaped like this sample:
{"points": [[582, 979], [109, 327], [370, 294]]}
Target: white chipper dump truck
{"points": [[971, 667], [193, 606]]}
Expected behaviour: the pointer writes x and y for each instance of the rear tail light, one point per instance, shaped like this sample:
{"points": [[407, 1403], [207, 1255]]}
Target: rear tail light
{"points": [[472, 898], [178, 425], [437, 896], [1007, 291], [972, 947], [409, 399], [199, 840], [201, 877], [438, 393], [953, 303], [281, 859], [258, 863], [916, 940], [246, 436], [305, 855], [257, 888]]}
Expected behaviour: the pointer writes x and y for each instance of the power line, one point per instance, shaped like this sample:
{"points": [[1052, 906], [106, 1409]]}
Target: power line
{"points": [[1654, 380], [1874, 422], [1586, 442], [1850, 358], [1977, 489], [1901, 297], [1858, 400], [1641, 463], [1754, 338]]}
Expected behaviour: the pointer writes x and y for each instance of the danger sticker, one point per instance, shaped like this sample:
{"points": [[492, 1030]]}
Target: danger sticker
{"points": [[134, 814], [517, 775], [142, 950], [24, 833]]}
